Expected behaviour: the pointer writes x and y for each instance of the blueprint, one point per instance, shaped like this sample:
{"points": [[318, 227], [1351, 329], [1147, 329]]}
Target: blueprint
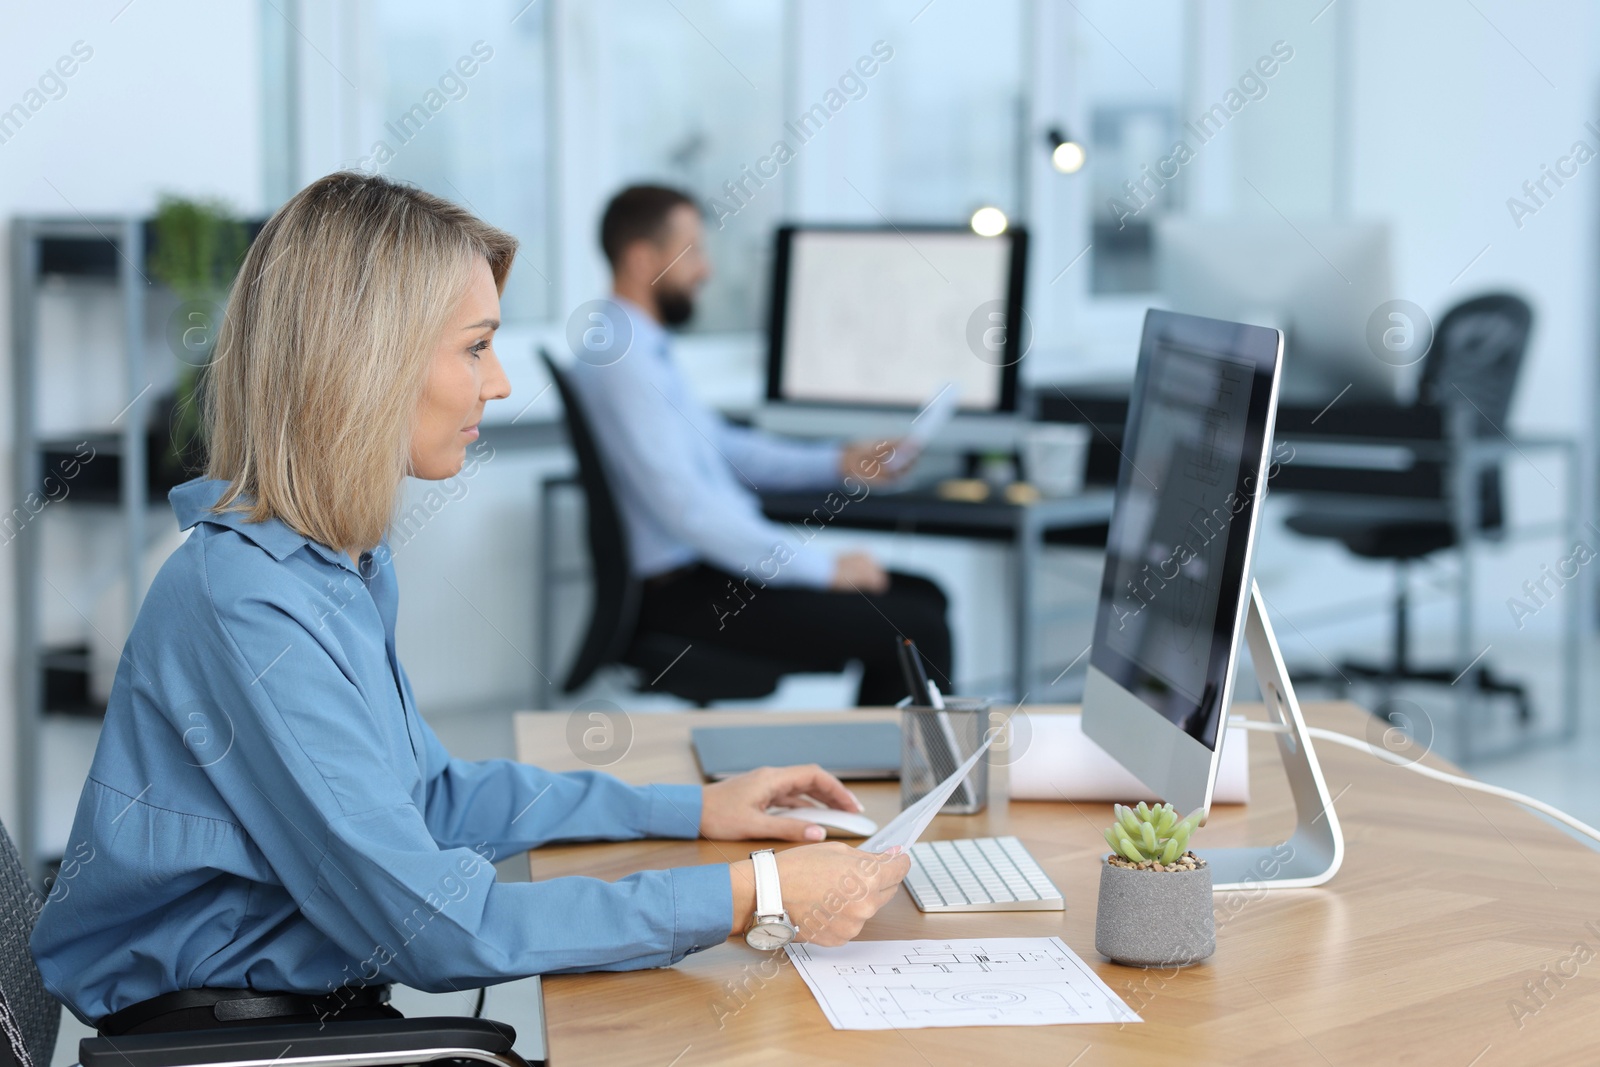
{"points": [[996, 981]]}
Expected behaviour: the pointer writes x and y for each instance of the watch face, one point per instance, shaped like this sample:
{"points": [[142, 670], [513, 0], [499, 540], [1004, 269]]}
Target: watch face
{"points": [[769, 936]]}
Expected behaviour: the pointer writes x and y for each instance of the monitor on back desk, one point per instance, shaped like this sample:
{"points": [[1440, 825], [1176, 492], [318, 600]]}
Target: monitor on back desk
{"points": [[866, 319]]}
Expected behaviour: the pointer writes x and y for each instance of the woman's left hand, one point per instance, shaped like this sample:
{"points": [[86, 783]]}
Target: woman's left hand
{"points": [[735, 809]]}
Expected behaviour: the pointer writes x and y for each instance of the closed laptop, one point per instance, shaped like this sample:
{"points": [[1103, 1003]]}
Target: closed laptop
{"points": [[856, 750]]}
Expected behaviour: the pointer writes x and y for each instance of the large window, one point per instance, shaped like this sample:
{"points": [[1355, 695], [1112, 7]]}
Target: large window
{"points": [[696, 101], [534, 113], [1131, 73], [821, 111], [454, 98], [935, 132]]}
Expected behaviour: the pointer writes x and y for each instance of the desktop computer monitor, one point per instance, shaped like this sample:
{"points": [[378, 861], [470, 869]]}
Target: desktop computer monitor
{"points": [[1317, 281], [1175, 591], [886, 316]]}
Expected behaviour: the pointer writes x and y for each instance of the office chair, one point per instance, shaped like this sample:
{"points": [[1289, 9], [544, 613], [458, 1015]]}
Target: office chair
{"points": [[1471, 369], [30, 1019], [699, 675]]}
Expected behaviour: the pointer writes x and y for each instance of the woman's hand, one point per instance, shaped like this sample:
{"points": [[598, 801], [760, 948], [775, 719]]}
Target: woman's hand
{"points": [[829, 890], [735, 809]]}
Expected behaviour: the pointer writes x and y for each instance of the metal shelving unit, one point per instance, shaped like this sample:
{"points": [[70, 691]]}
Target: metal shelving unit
{"points": [[112, 250]]}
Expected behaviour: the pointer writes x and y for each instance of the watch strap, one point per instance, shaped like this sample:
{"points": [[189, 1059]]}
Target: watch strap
{"points": [[769, 895]]}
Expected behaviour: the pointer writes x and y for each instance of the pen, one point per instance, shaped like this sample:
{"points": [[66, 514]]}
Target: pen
{"points": [[943, 749], [919, 677], [900, 646]]}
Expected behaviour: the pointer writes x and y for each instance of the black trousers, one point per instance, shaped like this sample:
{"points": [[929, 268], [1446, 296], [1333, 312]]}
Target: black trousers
{"points": [[815, 629]]}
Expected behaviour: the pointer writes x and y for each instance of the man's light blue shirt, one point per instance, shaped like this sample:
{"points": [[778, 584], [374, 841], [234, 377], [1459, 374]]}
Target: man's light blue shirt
{"points": [[686, 479], [267, 810]]}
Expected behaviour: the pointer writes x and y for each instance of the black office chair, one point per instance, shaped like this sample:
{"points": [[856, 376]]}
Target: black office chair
{"points": [[1471, 370], [701, 674], [30, 1019]]}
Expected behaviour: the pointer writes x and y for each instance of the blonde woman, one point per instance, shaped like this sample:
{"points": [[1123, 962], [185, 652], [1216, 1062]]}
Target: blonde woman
{"points": [[272, 830]]}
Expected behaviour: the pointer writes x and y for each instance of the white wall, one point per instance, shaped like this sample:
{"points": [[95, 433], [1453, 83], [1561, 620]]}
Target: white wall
{"points": [[1450, 121]]}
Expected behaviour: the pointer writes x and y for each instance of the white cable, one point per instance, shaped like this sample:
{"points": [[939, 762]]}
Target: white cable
{"points": [[1427, 772]]}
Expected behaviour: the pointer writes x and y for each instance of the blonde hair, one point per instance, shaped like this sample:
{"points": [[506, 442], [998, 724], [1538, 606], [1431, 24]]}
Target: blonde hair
{"points": [[324, 350]]}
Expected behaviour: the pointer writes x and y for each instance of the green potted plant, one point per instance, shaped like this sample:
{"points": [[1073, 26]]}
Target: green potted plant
{"points": [[196, 249], [1155, 894]]}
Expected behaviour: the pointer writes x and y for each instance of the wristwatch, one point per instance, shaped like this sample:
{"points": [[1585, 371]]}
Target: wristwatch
{"points": [[770, 929]]}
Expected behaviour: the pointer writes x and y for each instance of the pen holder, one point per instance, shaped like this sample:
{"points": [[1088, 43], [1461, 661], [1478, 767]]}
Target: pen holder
{"points": [[934, 742]]}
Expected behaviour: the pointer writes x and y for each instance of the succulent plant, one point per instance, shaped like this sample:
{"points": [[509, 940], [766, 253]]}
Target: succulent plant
{"points": [[1155, 834]]}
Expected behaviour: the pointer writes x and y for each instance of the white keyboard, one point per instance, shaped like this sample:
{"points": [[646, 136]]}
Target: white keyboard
{"points": [[979, 874]]}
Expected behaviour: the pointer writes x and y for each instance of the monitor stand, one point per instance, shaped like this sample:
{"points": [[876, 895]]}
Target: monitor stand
{"points": [[1316, 848]]}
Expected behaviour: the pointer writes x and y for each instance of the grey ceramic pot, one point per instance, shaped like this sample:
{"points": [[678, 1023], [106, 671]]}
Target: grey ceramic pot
{"points": [[1154, 918]]}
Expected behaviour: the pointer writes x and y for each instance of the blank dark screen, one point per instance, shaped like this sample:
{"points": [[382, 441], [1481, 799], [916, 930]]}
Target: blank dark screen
{"points": [[1168, 542]]}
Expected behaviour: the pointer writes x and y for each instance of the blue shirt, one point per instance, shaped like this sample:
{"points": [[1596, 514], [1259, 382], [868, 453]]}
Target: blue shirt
{"points": [[267, 810], [686, 480]]}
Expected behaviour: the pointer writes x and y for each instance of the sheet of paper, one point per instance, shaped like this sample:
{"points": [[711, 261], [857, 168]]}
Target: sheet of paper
{"points": [[1053, 760], [934, 416], [992, 981], [905, 828]]}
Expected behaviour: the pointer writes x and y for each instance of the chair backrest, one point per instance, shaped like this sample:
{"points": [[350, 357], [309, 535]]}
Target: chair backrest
{"points": [[616, 591], [1475, 359], [29, 1015]]}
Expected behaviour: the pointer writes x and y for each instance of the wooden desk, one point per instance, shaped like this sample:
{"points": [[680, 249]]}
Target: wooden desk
{"points": [[1419, 950]]}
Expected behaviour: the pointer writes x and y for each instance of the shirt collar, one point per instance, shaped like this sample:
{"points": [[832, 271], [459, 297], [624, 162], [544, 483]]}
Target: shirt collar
{"points": [[192, 503], [648, 334]]}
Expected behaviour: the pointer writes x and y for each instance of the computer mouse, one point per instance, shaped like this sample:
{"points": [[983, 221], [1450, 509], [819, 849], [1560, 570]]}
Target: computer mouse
{"points": [[838, 823]]}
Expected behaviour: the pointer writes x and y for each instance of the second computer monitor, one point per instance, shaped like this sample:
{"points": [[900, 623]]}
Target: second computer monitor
{"points": [[886, 316], [1319, 281], [1174, 592]]}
